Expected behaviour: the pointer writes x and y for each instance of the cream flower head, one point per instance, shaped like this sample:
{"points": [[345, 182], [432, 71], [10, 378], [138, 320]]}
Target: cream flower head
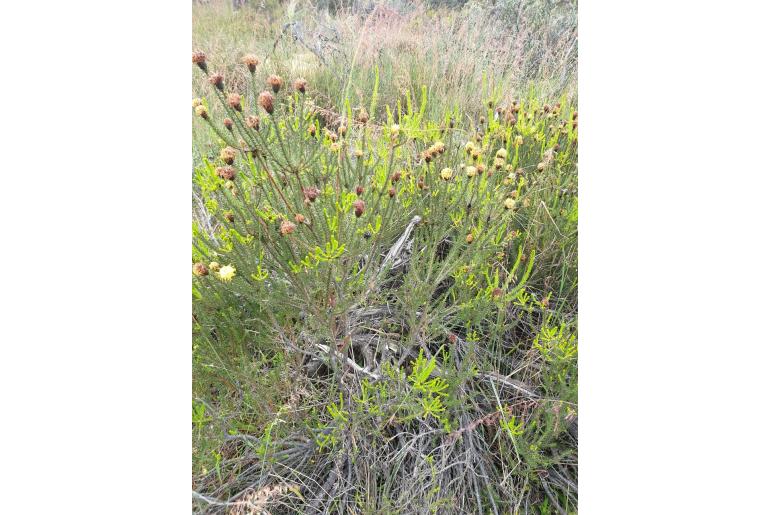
{"points": [[226, 273]]}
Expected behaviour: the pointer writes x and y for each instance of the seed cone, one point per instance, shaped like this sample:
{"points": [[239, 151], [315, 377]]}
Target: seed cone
{"points": [[218, 81], [311, 193], [199, 58], [227, 155], [287, 227], [234, 101], [265, 101], [359, 206], [300, 85], [275, 82], [226, 172], [251, 62]]}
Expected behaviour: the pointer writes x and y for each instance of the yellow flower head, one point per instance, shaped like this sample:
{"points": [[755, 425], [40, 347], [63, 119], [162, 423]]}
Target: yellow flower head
{"points": [[471, 171], [196, 102], [502, 154], [439, 146], [469, 147], [509, 203], [202, 111], [395, 129], [214, 266], [446, 174], [519, 140], [226, 273]]}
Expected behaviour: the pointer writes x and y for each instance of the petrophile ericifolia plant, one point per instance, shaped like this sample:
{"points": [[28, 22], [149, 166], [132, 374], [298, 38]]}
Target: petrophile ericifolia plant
{"points": [[395, 262]]}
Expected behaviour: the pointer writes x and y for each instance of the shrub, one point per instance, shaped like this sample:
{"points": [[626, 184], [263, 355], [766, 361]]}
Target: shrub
{"points": [[392, 274]]}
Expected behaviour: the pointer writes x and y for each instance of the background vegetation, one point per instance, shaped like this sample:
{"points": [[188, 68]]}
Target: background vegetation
{"points": [[385, 289]]}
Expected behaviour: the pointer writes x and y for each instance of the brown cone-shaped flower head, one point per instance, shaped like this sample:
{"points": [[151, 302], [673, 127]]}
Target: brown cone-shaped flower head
{"points": [[311, 193], [299, 218], [359, 206], [234, 101], [300, 85], [287, 227], [359, 190], [275, 82], [362, 116], [228, 124], [226, 172], [229, 216], [395, 177], [199, 58], [265, 100], [251, 62], [311, 130], [200, 269], [227, 155], [218, 81], [392, 192], [253, 122]]}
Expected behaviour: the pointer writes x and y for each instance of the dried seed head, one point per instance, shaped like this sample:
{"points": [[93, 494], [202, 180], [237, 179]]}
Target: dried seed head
{"points": [[228, 124], [469, 238], [265, 100], [335, 147], [362, 116], [395, 177], [227, 155], [229, 216], [392, 192], [299, 218], [359, 190], [226, 172], [253, 122], [287, 227], [342, 130], [214, 266], [497, 293], [251, 62], [359, 206], [202, 111], [200, 269], [509, 203], [275, 82], [234, 101], [199, 58], [218, 81], [481, 167], [311, 193], [446, 174], [300, 85]]}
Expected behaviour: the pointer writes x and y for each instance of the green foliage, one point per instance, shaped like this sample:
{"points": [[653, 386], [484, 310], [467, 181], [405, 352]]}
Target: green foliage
{"points": [[368, 323]]}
